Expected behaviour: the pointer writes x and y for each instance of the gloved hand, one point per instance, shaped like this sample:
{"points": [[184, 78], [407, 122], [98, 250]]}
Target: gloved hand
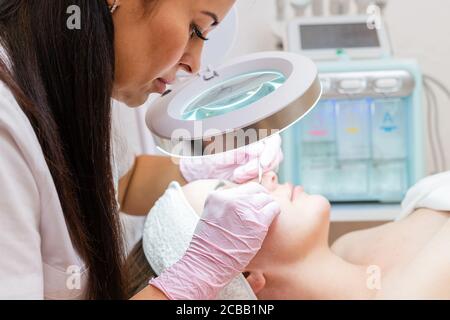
{"points": [[229, 234], [239, 166]]}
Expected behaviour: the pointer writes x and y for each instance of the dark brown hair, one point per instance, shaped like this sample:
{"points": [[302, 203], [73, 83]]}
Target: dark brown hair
{"points": [[139, 271], [63, 80]]}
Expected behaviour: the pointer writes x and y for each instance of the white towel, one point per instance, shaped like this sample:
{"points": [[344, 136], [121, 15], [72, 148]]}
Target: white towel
{"points": [[432, 192], [168, 231]]}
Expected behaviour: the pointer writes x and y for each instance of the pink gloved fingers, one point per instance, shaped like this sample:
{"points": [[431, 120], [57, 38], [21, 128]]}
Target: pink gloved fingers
{"points": [[253, 204], [271, 149], [229, 251], [255, 149], [246, 172], [248, 188], [274, 166], [280, 158], [239, 165], [230, 158], [220, 166], [258, 201], [232, 229], [250, 171], [243, 198], [270, 212], [182, 282], [193, 169], [237, 210], [261, 216], [265, 150], [269, 158]]}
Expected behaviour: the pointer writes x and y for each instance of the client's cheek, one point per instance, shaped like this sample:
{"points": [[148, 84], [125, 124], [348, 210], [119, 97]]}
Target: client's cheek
{"points": [[277, 243], [270, 241]]}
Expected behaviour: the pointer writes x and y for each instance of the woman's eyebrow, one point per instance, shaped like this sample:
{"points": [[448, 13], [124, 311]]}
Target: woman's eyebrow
{"points": [[213, 16]]}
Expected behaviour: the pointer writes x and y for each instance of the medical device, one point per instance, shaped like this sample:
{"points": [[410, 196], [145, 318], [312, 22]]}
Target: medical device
{"points": [[337, 38], [382, 4], [326, 7], [317, 7], [339, 7], [300, 6], [364, 141], [362, 5], [372, 9], [280, 10], [229, 107]]}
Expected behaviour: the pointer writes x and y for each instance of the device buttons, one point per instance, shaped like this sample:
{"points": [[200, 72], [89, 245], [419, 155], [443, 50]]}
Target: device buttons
{"points": [[326, 84], [387, 85], [351, 86]]}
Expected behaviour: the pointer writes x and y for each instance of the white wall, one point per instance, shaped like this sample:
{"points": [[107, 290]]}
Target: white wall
{"points": [[419, 30]]}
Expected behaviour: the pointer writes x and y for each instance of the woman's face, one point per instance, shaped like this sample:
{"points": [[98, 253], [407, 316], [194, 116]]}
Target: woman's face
{"points": [[156, 38], [301, 227]]}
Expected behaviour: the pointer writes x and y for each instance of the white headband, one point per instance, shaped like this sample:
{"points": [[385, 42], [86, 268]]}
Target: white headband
{"points": [[168, 231]]}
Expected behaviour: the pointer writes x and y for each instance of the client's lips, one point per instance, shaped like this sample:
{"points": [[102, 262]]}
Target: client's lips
{"points": [[291, 190], [296, 191]]}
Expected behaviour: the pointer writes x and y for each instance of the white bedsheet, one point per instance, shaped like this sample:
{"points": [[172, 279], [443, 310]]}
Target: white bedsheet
{"points": [[432, 192]]}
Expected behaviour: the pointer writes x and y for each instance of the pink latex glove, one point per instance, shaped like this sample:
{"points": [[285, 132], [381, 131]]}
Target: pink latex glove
{"points": [[239, 166], [229, 234]]}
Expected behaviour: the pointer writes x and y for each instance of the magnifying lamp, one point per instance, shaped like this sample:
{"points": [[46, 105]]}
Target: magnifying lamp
{"points": [[241, 102]]}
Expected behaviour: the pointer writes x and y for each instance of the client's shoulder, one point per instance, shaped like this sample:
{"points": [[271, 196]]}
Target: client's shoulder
{"points": [[427, 276], [360, 246]]}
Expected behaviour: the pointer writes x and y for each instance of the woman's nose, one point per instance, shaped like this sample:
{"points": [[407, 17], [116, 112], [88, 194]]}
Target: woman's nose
{"points": [[190, 67], [191, 61], [270, 180]]}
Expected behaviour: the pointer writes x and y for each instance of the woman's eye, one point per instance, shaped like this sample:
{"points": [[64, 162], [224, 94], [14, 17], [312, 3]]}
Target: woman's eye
{"points": [[197, 33]]}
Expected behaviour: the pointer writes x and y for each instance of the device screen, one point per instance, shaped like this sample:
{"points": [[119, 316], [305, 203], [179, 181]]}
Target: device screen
{"points": [[335, 36]]}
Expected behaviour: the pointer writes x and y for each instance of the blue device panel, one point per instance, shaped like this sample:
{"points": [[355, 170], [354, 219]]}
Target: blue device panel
{"points": [[362, 148]]}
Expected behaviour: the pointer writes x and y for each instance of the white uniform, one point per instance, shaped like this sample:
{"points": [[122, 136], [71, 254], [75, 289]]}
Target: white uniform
{"points": [[35, 247]]}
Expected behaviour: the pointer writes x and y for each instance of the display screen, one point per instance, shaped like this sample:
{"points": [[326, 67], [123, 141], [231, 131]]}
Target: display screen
{"points": [[233, 94], [338, 36]]}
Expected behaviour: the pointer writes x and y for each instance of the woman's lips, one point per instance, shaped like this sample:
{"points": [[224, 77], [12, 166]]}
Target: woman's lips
{"points": [[162, 83], [290, 188], [167, 81]]}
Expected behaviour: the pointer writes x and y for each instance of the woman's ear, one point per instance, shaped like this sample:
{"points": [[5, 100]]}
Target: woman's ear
{"points": [[256, 280]]}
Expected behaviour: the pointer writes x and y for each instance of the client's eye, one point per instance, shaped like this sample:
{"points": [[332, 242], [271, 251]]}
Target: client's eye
{"points": [[220, 185], [196, 32], [223, 185]]}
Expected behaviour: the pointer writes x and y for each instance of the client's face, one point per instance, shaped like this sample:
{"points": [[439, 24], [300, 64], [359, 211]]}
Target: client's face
{"points": [[301, 227]]}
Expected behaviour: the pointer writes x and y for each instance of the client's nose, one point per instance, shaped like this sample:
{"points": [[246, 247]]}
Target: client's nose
{"points": [[270, 180]]}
